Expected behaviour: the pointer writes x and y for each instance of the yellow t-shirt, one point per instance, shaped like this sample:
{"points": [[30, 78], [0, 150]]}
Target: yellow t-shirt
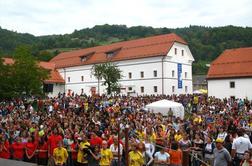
{"points": [[85, 106], [60, 155], [82, 156], [106, 157], [178, 137], [141, 135], [136, 158]]}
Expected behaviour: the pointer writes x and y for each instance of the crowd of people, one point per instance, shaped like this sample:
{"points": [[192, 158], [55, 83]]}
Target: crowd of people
{"points": [[99, 130]]}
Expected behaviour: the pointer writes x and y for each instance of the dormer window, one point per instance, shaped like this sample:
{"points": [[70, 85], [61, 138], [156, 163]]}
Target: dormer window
{"points": [[112, 52], [85, 57]]}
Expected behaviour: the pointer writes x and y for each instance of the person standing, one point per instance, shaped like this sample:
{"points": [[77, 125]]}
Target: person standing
{"points": [[105, 156], [221, 155], [60, 155], [208, 151], [162, 158], [135, 156], [247, 160], [239, 146], [4, 148], [114, 149], [82, 155], [175, 155]]}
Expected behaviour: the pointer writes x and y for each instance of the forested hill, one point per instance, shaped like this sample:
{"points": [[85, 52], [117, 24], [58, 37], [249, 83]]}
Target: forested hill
{"points": [[206, 43]]}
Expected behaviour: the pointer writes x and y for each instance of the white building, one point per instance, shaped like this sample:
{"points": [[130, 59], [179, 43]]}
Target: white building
{"points": [[230, 75], [153, 65], [51, 86]]}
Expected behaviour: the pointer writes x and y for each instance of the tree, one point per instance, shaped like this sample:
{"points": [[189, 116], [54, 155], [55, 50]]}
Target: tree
{"points": [[28, 76], [97, 71], [6, 82], [110, 73]]}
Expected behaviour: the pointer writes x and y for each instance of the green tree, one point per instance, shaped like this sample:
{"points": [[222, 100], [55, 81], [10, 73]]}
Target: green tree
{"points": [[110, 73], [6, 82], [28, 76]]}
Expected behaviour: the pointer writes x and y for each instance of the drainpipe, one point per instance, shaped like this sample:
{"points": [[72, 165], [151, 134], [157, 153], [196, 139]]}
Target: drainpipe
{"points": [[65, 80], [163, 75]]}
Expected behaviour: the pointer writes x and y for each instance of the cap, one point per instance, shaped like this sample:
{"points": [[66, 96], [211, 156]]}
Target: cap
{"points": [[219, 140]]}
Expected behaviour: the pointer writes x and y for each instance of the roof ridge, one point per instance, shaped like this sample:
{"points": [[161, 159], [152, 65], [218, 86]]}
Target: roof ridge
{"points": [[232, 62], [122, 48]]}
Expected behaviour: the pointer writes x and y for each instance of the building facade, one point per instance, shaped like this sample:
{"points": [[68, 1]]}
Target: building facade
{"points": [[51, 86], [230, 75], [153, 65]]}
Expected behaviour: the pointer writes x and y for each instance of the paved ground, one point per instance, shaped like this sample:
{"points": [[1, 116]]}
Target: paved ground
{"points": [[4, 162]]}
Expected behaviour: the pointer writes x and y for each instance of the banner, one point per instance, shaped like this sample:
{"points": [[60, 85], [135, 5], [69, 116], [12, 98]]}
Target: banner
{"points": [[180, 83]]}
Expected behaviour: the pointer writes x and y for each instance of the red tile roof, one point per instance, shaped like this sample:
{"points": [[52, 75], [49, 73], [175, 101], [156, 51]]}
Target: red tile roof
{"points": [[54, 77], [133, 49], [232, 63]]}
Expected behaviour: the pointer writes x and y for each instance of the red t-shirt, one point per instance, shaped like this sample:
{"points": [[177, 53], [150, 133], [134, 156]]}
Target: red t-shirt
{"points": [[74, 151], [31, 147], [43, 147], [95, 141], [111, 141], [18, 150], [53, 141], [5, 153]]}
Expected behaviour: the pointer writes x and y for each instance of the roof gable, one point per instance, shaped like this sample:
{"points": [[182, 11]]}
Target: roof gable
{"points": [[54, 77], [232, 63]]}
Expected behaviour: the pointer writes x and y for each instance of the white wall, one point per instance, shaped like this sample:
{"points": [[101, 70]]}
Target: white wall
{"points": [[221, 88], [56, 89], [147, 65]]}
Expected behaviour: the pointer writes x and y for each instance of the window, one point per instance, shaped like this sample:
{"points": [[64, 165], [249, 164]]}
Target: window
{"points": [[130, 75], [186, 89], [83, 58], [110, 54], [185, 74], [142, 89], [142, 74], [155, 73], [82, 78], [182, 52], [175, 51], [69, 79], [130, 88], [232, 84], [173, 89], [173, 73], [155, 89]]}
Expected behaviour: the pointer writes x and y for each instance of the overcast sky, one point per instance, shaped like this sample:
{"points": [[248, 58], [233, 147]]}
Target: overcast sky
{"points": [[45, 17]]}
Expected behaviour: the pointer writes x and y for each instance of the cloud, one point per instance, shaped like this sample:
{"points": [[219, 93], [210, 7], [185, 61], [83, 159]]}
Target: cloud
{"points": [[64, 16]]}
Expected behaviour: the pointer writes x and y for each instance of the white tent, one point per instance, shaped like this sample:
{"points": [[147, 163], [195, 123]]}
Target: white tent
{"points": [[164, 106]]}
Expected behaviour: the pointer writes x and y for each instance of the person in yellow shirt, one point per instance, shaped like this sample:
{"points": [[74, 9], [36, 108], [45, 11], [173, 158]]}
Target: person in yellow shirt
{"points": [[105, 155], [60, 155], [83, 151], [140, 133], [178, 136], [135, 156]]}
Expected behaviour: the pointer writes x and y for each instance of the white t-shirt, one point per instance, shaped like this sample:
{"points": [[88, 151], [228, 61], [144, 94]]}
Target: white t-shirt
{"points": [[115, 150], [150, 148], [162, 157], [241, 144]]}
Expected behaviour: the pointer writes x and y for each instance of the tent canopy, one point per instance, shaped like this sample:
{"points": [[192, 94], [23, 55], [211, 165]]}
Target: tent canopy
{"points": [[164, 106]]}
